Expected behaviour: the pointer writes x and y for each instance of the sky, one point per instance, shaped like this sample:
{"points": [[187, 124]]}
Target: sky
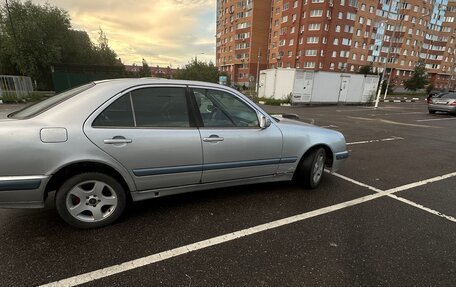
{"points": [[163, 32]]}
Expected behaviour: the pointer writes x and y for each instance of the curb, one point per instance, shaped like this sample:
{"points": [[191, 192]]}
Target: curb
{"points": [[401, 101]]}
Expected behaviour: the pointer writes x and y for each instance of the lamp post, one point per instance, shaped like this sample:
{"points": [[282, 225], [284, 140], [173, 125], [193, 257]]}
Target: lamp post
{"points": [[377, 99], [258, 72]]}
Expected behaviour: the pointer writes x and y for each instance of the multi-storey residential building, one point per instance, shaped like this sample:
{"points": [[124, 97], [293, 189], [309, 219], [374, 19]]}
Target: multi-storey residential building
{"points": [[344, 35], [242, 37]]}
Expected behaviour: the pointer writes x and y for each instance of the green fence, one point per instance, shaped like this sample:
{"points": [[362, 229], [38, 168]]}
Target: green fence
{"points": [[65, 77]]}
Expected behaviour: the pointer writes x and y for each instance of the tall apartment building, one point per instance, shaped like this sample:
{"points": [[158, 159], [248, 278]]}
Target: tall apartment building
{"points": [[242, 37], [340, 35]]}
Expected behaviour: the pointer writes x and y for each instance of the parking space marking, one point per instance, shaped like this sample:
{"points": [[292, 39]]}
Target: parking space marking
{"points": [[422, 207], [431, 120], [144, 261], [393, 122], [390, 192], [394, 114], [147, 260], [393, 138]]}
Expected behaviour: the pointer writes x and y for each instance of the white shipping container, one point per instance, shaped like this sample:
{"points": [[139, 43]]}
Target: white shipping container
{"points": [[317, 87]]}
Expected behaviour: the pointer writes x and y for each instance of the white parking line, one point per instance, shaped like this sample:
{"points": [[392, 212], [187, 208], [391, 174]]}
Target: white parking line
{"points": [[390, 192], [441, 119], [144, 261], [394, 138]]}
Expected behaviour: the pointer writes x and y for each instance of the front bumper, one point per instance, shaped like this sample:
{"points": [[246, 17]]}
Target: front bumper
{"points": [[22, 191], [338, 160]]}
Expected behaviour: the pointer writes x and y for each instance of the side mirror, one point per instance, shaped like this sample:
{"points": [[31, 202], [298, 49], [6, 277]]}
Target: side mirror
{"points": [[264, 122]]}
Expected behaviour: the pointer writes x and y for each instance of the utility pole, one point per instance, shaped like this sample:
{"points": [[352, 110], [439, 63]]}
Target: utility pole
{"points": [[389, 48], [258, 72], [387, 57]]}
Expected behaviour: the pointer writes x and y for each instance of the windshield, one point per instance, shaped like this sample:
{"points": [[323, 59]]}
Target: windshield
{"points": [[45, 105]]}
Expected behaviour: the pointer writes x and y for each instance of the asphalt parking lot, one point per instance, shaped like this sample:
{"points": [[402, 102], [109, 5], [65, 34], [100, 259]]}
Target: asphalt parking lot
{"points": [[388, 217]]}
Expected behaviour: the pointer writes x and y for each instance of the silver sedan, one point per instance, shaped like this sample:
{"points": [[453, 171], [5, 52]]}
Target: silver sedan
{"points": [[99, 144], [444, 103]]}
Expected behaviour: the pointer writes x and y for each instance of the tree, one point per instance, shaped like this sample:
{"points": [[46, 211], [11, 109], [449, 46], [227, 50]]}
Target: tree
{"points": [[34, 37], [144, 71], [199, 71], [105, 55], [366, 70], [418, 79]]}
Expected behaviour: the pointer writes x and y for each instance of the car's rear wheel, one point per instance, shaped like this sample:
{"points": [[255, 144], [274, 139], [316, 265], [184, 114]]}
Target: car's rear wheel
{"points": [[431, 112], [311, 168], [90, 200]]}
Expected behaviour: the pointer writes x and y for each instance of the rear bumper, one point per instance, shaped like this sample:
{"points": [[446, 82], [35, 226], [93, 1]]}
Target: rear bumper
{"points": [[338, 160], [442, 108], [22, 191]]}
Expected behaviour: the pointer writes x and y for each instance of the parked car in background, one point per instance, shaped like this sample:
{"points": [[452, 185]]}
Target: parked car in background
{"points": [[445, 102], [99, 144]]}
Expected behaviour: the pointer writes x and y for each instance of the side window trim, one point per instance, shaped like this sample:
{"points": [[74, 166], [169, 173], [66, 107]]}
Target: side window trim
{"points": [[132, 110]]}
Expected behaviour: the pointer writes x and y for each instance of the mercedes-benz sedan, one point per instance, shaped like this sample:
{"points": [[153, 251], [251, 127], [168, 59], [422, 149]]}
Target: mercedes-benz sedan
{"points": [[444, 103], [99, 144]]}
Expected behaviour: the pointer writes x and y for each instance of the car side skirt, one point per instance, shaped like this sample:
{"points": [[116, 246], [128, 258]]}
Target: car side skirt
{"points": [[148, 194]]}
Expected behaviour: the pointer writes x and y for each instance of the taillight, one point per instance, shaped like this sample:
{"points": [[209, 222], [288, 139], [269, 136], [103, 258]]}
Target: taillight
{"points": [[453, 103]]}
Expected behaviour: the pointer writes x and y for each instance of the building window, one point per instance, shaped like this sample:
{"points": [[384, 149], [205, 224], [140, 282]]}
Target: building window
{"points": [[316, 13], [309, 64], [312, 40], [314, 26], [337, 28], [285, 19], [351, 16], [311, 53]]}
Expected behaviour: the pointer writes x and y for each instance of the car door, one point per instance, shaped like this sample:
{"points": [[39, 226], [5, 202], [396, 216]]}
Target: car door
{"points": [[149, 131], [234, 145]]}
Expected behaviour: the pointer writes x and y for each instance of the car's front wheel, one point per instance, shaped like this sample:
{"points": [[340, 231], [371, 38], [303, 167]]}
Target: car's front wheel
{"points": [[90, 200], [311, 168]]}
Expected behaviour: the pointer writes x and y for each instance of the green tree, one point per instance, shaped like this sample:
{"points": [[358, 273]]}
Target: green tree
{"points": [[34, 37], [199, 71], [144, 71], [418, 79], [104, 54], [366, 70]]}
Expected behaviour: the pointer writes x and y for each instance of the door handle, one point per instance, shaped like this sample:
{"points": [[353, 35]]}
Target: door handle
{"points": [[213, 138], [117, 141]]}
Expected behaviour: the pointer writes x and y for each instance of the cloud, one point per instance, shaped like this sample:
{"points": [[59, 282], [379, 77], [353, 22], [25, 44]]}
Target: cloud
{"points": [[161, 31]]}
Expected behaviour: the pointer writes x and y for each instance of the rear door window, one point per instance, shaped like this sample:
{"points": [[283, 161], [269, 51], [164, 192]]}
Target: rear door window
{"points": [[160, 107]]}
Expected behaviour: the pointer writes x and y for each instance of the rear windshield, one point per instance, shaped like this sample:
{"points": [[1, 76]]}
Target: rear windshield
{"points": [[38, 108]]}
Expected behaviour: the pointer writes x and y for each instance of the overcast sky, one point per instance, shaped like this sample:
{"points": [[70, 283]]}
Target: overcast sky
{"points": [[164, 32]]}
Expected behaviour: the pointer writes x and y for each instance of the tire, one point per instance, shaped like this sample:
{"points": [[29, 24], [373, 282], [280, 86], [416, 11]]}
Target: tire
{"points": [[431, 112], [90, 200], [311, 168]]}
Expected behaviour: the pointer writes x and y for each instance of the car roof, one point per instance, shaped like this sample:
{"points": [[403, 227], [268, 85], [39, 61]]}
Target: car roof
{"points": [[151, 80]]}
